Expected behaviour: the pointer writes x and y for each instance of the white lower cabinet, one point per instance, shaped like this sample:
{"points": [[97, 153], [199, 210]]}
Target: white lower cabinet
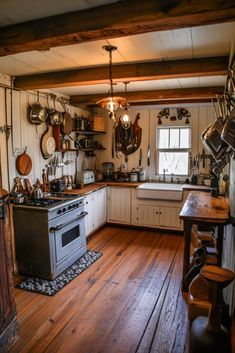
{"points": [[95, 205], [169, 217], [125, 208], [155, 213], [119, 204], [101, 207], [145, 215]]}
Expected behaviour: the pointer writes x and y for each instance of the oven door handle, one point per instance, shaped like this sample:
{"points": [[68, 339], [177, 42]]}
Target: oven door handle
{"points": [[60, 226]]}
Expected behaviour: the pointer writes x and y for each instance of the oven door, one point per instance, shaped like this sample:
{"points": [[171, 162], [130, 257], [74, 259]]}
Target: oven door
{"points": [[68, 233]]}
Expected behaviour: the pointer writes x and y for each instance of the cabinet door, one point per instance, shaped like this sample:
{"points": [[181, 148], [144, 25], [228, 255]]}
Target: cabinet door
{"points": [[119, 204], [100, 207], [89, 219], [147, 215], [95, 205], [169, 217]]}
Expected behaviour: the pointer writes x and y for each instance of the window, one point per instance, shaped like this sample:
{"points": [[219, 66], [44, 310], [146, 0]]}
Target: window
{"points": [[173, 147]]}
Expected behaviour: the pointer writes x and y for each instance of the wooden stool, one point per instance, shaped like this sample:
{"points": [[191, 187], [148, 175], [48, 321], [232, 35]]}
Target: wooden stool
{"points": [[198, 304], [206, 238], [199, 262], [208, 335]]}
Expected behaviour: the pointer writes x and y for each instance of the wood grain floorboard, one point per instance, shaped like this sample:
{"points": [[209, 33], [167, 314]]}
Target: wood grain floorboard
{"points": [[128, 301]]}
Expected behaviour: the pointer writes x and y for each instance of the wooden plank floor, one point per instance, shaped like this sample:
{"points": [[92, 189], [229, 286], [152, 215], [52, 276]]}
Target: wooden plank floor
{"points": [[127, 301]]}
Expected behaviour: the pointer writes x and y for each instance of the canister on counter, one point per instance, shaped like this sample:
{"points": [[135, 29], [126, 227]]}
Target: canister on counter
{"points": [[133, 176], [141, 174], [200, 179]]}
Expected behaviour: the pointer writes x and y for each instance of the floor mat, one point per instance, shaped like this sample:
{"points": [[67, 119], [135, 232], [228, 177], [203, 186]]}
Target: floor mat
{"points": [[46, 287]]}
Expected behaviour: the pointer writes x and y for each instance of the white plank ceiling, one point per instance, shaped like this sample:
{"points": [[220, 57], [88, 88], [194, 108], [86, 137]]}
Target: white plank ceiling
{"points": [[195, 42]]}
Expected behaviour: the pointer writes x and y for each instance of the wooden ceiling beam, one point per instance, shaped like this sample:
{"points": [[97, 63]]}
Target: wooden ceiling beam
{"points": [[154, 95], [172, 101], [158, 102], [125, 72], [115, 20]]}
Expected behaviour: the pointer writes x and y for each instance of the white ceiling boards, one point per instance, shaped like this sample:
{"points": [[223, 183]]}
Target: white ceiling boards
{"points": [[144, 34]]}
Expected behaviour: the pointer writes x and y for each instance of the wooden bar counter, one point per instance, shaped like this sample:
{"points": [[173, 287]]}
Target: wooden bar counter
{"points": [[201, 208]]}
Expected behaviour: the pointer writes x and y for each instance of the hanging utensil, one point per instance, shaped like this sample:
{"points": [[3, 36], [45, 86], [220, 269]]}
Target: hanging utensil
{"points": [[54, 117], [67, 125], [113, 141], [220, 108], [76, 165], [148, 149], [140, 157], [203, 158], [47, 143], [37, 114], [214, 108], [24, 163], [148, 155]]}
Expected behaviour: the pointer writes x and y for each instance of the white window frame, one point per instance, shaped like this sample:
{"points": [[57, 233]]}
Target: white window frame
{"points": [[188, 150]]}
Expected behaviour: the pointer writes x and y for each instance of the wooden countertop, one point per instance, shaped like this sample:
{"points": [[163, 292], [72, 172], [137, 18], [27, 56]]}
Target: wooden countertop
{"points": [[123, 184], [200, 206], [87, 189], [190, 187]]}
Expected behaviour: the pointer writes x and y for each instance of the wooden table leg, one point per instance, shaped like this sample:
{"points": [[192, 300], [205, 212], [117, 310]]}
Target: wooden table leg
{"points": [[219, 242], [187, 241]]}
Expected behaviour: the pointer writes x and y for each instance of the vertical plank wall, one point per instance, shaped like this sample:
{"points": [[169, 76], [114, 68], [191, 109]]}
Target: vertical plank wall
{"points": [[201, 117], [24, 134]]}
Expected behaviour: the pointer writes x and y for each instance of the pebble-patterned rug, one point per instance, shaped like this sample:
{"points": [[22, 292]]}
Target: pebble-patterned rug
{"points": [[46, 287]]}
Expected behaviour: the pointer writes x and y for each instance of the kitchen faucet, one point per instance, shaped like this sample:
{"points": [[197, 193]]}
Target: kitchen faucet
{"points": [[164, 174]]}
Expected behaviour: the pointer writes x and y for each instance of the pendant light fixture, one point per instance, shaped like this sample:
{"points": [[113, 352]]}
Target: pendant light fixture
{"points": [[111, 102], [125, 117]]}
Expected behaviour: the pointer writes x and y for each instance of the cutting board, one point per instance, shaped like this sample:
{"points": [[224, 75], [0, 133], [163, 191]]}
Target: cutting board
{"points": [[24, 164]]}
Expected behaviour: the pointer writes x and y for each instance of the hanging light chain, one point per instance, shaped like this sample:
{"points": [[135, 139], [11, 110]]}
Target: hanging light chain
{"points": [[126, 105], [110, 48], [110, 72]]}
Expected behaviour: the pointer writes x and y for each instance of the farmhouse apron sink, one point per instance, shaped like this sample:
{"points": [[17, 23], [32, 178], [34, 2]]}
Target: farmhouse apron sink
{"points": [[160, 191]]}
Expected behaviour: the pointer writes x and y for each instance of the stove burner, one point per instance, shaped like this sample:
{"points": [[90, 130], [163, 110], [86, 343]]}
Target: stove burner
{"points": [[41, 202], [65, 196]]}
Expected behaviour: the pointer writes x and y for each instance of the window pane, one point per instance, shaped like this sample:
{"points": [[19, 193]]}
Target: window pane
{"points": [[184, 138], [163, 138], [174, 138], [174, 162]]}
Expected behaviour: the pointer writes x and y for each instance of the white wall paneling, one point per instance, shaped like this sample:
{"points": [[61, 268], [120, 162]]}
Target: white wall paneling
{"points": [[228, 261], [26, 134], [201, 117]]}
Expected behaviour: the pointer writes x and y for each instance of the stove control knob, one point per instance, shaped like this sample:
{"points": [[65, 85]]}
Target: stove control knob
{"points": [[64, 209], [70, 206], [59, 211]]}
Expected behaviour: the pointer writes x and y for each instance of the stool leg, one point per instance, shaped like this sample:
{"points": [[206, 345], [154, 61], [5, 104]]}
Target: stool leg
{"points": [[208, 335]]}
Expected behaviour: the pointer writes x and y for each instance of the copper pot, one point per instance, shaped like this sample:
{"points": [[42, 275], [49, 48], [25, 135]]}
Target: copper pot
{"points": [[37, 114]]}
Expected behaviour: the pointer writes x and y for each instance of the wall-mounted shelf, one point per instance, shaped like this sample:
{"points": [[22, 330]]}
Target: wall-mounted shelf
{"points": [[80, 149], [85, 132]]}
